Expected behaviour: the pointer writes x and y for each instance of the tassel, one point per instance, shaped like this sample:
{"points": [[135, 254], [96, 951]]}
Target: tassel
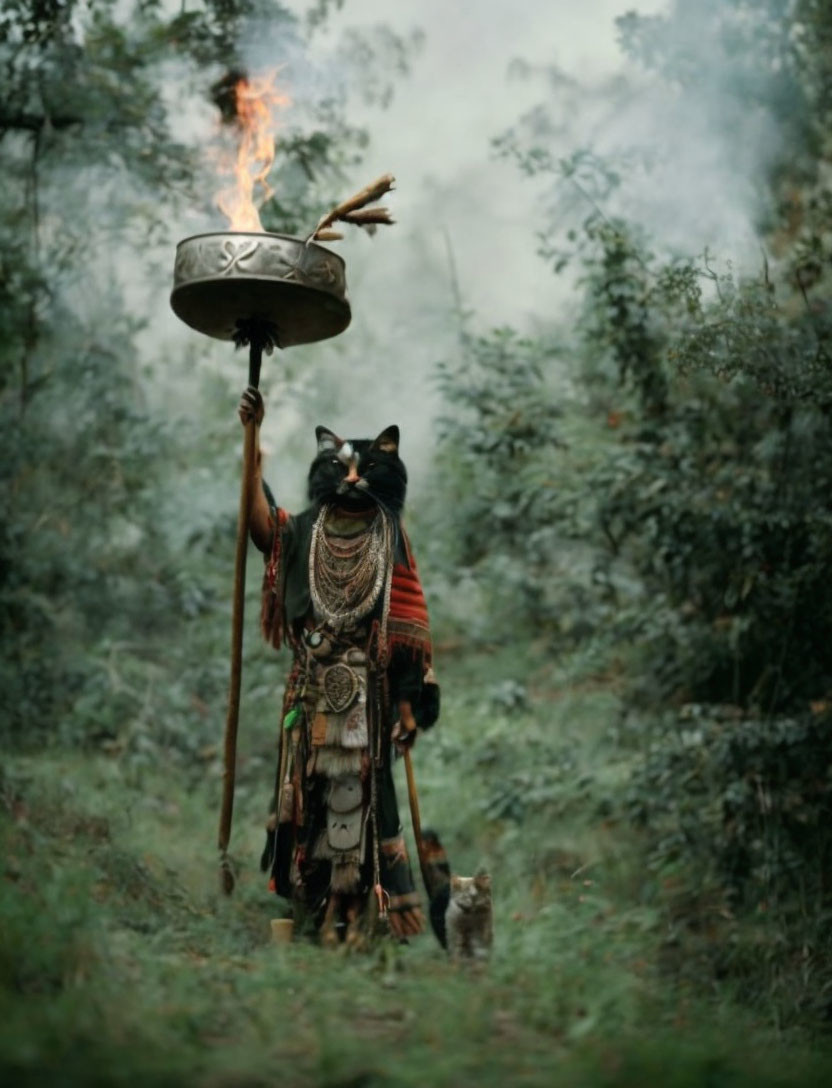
{"points": [[383, 900], [271, 607]]}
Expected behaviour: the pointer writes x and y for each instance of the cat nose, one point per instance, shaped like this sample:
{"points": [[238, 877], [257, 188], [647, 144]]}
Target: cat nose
{"points": [[352, 476]]}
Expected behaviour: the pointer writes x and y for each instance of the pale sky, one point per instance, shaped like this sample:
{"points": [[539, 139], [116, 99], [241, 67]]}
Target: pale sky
{"points": [[436, 137]]}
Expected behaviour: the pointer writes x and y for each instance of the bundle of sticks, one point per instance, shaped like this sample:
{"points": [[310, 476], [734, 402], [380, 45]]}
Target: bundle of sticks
{"points": [[355, 211]]}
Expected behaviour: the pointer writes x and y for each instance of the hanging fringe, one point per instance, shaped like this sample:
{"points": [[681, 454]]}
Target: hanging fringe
{"points": [[271, 601]]}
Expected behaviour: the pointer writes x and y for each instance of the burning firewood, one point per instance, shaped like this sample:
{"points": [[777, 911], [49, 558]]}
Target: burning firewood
{"points": [[355, 211], [224, 93]]}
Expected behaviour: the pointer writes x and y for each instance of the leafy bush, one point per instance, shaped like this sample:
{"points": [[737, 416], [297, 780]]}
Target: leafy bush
{"points": [[720, 508], [695, 479], [508, 508], [739, 817]]}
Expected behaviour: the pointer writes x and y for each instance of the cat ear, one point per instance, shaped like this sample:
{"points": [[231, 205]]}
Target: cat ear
{"points": [[482, 881], [388, 440], [327, 439], [456, 882]]}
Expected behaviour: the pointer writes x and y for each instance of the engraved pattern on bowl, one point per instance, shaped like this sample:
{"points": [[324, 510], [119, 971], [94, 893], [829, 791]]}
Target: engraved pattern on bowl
{"points": [[299, 288]]}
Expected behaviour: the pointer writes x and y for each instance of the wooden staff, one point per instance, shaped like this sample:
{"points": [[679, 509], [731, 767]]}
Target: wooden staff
{"points": [[413, 797], [233, 713]]}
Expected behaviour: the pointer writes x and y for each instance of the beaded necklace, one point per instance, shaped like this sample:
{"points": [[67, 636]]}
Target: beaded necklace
{"points": [[346, 574]]}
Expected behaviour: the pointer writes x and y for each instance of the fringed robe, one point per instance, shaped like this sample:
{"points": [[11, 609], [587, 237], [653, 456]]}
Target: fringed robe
{"points": [[326, 752]]}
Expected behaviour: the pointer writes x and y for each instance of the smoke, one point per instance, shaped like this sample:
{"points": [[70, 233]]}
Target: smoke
{"points": [[697, 144], [692, 142], [467, 220], [692, 148]]}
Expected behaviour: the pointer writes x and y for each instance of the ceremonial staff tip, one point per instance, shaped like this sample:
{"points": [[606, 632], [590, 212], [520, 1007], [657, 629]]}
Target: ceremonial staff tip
{"points": [[262, 291]]}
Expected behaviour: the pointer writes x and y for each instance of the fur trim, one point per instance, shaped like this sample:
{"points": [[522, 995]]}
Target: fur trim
{"points": [[338, 731], [333, 762], [346, 876]]}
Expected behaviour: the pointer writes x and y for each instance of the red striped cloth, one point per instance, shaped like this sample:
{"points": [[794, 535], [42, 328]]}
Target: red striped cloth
{"points": [[407, 621]]}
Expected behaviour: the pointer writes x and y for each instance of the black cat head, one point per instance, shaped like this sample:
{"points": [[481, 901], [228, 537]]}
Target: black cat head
{"points": [[358, 473]]}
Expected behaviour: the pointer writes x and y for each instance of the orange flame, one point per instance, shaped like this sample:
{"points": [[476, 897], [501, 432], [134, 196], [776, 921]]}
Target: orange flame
{"points": [[257, 102]]}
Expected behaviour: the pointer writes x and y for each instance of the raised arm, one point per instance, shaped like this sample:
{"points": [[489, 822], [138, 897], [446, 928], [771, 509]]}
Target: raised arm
{"points": [[261, 524]]}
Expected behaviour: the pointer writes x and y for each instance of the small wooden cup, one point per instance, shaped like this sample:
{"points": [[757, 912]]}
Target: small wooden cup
{"points": [[282, 930]]}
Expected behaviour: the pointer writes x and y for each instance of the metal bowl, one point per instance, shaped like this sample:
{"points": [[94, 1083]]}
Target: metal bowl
{"points": [[223, 280]]}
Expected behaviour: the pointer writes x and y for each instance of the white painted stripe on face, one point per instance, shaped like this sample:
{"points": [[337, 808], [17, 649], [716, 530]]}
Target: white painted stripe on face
{"points": [[345, 453]]}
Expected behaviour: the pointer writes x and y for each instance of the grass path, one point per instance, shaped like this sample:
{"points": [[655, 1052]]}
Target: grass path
{"points": [[120, 963]]}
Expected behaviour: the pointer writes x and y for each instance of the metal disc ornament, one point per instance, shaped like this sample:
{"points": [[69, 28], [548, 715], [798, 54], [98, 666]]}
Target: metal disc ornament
{"points": [[228, 280], [340, 687]]}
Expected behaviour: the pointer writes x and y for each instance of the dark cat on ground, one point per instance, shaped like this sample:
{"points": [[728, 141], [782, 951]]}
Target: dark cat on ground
{"points": [[468, 919], [460, 907]]}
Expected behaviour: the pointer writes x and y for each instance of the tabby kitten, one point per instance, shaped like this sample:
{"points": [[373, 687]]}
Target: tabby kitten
{"points": [[468, 919]]}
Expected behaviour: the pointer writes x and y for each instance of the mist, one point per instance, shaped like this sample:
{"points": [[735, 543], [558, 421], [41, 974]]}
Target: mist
{"points": [[467, 218]]}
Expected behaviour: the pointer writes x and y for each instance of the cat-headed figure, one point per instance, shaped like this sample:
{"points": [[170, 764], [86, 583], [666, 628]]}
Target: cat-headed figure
{"points": [[341, 590]]}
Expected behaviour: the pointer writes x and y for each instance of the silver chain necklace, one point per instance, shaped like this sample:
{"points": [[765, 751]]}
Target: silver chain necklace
{"points": [[346, 574]]}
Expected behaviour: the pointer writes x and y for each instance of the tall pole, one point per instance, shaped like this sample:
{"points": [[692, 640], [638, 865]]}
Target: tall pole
{"points": [[413, 797], [257, 338]]}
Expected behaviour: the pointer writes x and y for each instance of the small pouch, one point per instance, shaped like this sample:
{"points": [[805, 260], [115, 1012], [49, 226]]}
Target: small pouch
{"points": [[343, 829], [346, 794]]}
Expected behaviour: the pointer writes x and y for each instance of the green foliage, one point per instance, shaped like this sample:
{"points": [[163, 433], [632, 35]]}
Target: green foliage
{"points": [[720, 510], [497, 438], [702, 511], [119, 961], [714, 494], [705, 509], [738, 815]]}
